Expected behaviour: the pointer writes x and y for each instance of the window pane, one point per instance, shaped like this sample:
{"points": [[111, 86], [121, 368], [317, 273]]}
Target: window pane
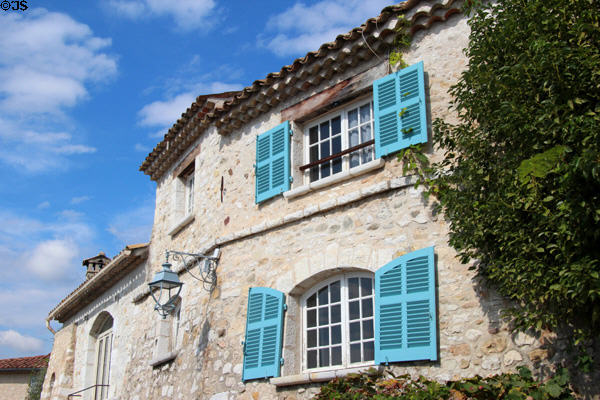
{"points": [[324, 357], [354, 160], [323, 296], [311, 338], [368, 351], [367, 329], [336, 334], [323, 316], [325, 149], [367, 154], [336, 355], [336, 145], [314, 134], [366, 286], [336, 126], [353, 288], [352, 118], [324, 130], [334, 289], [314, 153], [365, 133], [353, 137], [365, 113], [314, 174], [336, 165], [336, 314], [323, 336], [311, 359], [325, 171], [311, 318], [354, 331], [367, 307], [311, 301], [354, 307], [355, 353]]}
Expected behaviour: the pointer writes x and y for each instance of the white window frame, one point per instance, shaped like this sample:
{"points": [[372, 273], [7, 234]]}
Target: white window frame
{"points": [[343, 278], [343, 113]]}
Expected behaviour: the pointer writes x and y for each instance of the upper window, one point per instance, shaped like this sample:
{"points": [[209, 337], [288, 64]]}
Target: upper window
{"points": [[330, 139], [338, 326]]}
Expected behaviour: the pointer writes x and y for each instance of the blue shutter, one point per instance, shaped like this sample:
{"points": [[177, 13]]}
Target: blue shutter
{"points": [[400, 110], [405, 309], [264, 333], [273, 162]]}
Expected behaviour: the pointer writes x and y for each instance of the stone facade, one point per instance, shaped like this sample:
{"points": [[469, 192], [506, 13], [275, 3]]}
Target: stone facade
{"points": [[288, 243]]}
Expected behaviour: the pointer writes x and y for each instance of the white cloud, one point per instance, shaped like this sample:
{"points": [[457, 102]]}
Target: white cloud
{"points": [[47, 61], [80, 199], [43, 205], [302, 28], [187, 14], [142, 148], [164, 113], [51, 259], [16, 341], [134, 225], [47, 58]]}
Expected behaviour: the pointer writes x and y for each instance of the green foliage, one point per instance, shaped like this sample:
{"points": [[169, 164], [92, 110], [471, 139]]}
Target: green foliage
{"points": [[520, 181], [401, 42], [504, 386], [34, 391]]}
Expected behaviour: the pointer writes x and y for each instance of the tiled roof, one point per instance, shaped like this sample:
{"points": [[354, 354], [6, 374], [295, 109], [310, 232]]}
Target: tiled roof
{"points": [[25, 363], [95, 286], [358, 45]]}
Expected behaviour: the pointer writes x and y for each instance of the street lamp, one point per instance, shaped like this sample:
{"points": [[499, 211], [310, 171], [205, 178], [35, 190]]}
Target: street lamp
{"points": [[164, 283]]}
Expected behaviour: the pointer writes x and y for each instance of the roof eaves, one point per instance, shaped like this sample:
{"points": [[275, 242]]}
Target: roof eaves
{"points": [[85, 292]]}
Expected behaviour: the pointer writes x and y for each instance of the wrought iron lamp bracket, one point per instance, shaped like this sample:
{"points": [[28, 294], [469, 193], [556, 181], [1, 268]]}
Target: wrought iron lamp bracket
{"points": [[207, 266]]}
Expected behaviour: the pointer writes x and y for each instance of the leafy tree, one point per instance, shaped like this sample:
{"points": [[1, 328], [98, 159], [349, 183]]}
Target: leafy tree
{"points": [[520, 181]]}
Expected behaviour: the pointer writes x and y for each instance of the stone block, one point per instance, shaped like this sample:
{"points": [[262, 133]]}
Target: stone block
{"points": [[494, 345], [511, 357]]}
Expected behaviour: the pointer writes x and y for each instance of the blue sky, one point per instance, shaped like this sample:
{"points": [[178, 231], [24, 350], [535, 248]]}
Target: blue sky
{"points": [[87, 89]]}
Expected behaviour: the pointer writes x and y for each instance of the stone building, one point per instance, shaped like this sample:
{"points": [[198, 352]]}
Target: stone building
{"points": [[17, 373], [328, 260]]}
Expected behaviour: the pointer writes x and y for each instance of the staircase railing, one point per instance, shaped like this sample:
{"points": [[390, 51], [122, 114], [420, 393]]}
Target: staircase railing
{"points": [[76, 394]]}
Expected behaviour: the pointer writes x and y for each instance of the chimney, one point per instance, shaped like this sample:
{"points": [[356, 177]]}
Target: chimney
{"points": [[95, 264]]}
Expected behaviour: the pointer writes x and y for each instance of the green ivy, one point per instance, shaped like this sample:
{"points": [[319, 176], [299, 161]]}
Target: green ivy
{"points": [[400, 44], [520, 180], [386, 386]]}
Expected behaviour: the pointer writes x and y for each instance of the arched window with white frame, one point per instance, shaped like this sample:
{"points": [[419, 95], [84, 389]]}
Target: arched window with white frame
{"points": [[337, 322]]}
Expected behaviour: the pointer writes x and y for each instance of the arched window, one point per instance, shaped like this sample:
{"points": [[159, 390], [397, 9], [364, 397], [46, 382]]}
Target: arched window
{"points": [[338, 322]]}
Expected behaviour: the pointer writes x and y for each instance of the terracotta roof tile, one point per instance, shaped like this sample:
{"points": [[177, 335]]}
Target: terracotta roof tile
{"points": [[24, 362]]}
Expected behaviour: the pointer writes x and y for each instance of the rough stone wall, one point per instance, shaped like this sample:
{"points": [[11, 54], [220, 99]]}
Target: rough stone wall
{"points": [[61, 364], [13, 385], [369, 220]]}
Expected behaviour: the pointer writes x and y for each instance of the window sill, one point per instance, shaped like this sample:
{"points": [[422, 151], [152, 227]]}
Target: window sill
{"points": [[330, 180], [321, 376], [157, 362], [182, 224]]}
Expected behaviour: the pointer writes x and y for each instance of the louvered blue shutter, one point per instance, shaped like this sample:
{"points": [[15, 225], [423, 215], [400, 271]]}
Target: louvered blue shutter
{"points": [[400, 110], [264, 333], [405, 309], [273, 162]]}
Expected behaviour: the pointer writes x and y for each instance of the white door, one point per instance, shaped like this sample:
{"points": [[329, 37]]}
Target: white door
{"points": [[103, 364]]}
